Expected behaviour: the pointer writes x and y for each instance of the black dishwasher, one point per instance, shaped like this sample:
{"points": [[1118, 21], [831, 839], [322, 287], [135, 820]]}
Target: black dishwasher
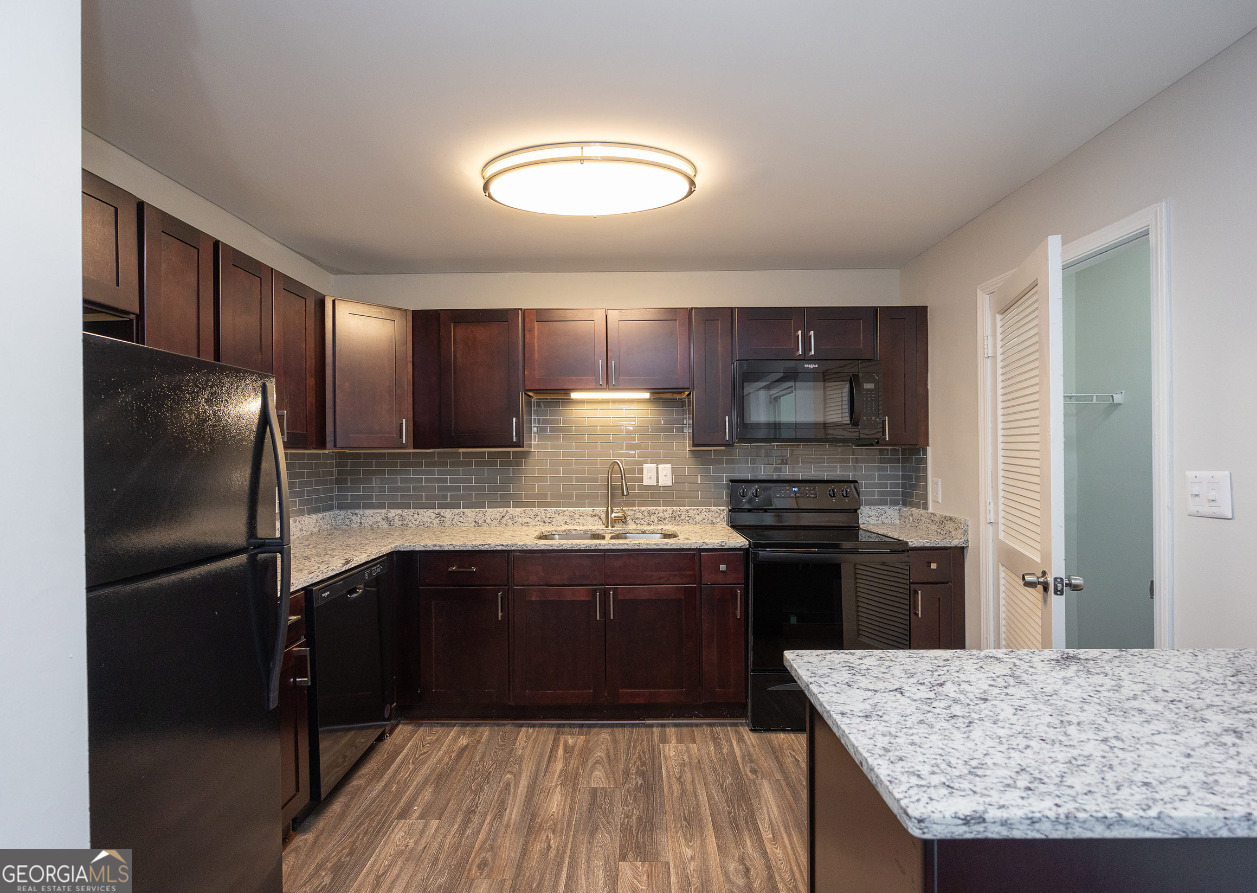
{"points": [[351, 693]]}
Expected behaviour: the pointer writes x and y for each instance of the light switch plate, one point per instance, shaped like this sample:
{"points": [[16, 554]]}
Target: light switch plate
{"points": [[665, 475], [649, 474], [1209, 494]]}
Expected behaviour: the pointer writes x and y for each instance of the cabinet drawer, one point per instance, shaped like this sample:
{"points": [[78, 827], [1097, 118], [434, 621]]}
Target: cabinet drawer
{"points": [[724, 568], [548, 568], [472, 568], [930, 566], [651, 568]]}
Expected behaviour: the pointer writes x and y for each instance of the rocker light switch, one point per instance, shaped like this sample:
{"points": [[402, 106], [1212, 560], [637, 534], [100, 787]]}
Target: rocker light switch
{"points": [[1209, 494]]}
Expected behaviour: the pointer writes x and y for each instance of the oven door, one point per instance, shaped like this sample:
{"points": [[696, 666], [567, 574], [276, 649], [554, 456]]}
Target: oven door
{"points": [[810, 402], [812, 600]]}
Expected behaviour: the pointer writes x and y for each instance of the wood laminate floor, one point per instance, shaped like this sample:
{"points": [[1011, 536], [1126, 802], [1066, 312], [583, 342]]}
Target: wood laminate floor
{"points": [[562, 809]]}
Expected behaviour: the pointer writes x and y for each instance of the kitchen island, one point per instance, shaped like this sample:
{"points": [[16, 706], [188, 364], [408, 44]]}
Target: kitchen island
{"points": [[1032, 770]]}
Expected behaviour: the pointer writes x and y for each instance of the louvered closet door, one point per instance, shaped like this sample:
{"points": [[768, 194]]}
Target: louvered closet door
{"points": [[1029, 487]]}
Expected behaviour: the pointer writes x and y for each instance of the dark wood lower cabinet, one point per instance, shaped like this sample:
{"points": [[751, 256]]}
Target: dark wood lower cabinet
{"points": [[463, 650], [936, 598], [724, 643], [652, 642], [559, 646], [294, 717]]}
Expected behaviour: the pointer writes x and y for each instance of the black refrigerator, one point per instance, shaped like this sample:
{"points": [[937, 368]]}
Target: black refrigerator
{"points": [[188, 565]]}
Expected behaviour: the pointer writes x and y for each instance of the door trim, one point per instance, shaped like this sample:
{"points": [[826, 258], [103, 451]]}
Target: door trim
{"points": [[1153, 222]]}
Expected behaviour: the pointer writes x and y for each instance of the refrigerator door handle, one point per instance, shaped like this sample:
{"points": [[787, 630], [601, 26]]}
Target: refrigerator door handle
{"points": [[279, 545]]}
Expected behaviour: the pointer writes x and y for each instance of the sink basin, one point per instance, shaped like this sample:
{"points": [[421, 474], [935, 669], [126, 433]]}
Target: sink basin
{"points": [[603, 535]]}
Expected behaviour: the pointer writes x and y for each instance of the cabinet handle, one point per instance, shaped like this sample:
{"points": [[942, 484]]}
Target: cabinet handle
{"points": [[885, 427], [799, 335], [738, 611], [611, 604], [933, 565], [355, 592], [613, 373], [499, 605], [600, 372], [514, 428], [302, 681], [811, 335], [726, 429], [463, 570], [403, 430], [917, 610], [597, 604], [283, 424]]}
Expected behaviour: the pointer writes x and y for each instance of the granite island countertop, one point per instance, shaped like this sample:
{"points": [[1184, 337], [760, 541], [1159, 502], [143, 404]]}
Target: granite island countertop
{"points": [[327, 552], [1048, 744]]}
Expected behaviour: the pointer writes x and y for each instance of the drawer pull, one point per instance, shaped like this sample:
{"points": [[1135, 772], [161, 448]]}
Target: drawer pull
{"points": [[463, 570], [723, 568], [933, 565]]}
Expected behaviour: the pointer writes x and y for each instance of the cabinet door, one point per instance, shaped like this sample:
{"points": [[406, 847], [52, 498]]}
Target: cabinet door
{"points": [[557, 645], [930, 623], [482, 395], [298, 353], [768, 333], [369, 375], [840, 333], [463, 645], [648, 349], [903, 351], [294, 730], [111, 256], [724, 644], [653, 645], [565, 349], [711, 400], [178, 286], [243, 311]]}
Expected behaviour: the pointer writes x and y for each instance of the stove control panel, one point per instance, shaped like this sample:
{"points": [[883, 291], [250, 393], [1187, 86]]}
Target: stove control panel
{"points": [[794, 495]]}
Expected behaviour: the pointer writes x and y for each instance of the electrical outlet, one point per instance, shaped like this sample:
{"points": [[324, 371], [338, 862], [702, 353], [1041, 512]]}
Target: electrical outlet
{"points": [[650, 476], [1209, 494], [665, 475], [936, 490]]}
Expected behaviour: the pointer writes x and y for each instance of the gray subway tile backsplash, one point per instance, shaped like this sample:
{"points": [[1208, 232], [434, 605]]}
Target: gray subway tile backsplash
{"points": [[571, 445]]}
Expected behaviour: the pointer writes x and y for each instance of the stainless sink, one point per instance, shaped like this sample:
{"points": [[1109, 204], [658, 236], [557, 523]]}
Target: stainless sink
{"points": [[603, 535]]}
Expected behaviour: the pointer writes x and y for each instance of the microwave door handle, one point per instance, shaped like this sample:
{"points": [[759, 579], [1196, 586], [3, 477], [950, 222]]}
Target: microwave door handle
{"points": [[853, 393]]}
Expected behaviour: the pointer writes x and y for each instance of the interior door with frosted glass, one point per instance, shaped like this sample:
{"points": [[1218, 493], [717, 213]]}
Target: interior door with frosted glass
{"points": [[1028, 498]]}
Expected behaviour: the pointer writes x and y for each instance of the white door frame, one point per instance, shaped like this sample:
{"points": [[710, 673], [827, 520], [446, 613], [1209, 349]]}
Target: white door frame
{"points": [[1153, 222]]}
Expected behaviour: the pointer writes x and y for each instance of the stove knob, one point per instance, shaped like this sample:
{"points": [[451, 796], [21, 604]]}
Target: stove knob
{"points": [[846, 492], [755, 493], [742, 493], [832, 493]]}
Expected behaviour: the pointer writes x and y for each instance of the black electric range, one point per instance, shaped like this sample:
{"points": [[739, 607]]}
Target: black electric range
{"points": [[817, 582]]}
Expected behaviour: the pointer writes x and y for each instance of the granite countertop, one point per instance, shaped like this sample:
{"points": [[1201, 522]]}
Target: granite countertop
{"points": [[325, 552], [918, 527], [1048, 744]]}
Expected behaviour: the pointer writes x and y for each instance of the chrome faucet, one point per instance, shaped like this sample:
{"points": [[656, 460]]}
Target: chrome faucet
{"points": [[616, 514]]}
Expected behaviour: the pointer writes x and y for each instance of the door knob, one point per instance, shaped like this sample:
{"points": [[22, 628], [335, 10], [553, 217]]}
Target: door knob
{"points": [[1042, 580], [1060, 584]]}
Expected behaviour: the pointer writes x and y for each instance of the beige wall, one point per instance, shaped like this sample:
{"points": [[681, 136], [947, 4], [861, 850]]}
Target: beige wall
{"points": [[696, 289], [1194, 145], [43, 698], [116, 166]]}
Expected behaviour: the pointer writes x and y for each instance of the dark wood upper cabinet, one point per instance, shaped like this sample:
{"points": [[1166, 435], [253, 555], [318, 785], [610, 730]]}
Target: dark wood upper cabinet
{"points": [[368, 375], [298, 356], [768, 333], [711, 399], [840, 333], [648, 349], [481, 375], [653, 645], [244, 311], [823, 333], [565, 349], [724, 643], [111, 256], [178, 285], [903, 345]]}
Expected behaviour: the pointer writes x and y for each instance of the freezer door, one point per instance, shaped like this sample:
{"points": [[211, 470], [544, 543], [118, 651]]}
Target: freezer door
{"points": [[183, 754], [177, 460]]}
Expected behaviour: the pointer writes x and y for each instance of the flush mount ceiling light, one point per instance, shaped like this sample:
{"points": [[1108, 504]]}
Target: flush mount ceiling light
{"points": [[588, 179]]}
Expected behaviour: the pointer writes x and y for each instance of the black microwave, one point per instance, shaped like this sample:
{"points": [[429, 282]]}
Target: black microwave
{"points": [[808, 401]]}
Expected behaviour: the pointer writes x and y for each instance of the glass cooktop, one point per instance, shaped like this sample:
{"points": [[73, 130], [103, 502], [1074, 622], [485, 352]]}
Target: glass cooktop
{"points": [[820, 538]]}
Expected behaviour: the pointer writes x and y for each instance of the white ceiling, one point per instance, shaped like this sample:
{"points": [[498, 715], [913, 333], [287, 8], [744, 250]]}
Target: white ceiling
{"points": [[827, 135]]}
